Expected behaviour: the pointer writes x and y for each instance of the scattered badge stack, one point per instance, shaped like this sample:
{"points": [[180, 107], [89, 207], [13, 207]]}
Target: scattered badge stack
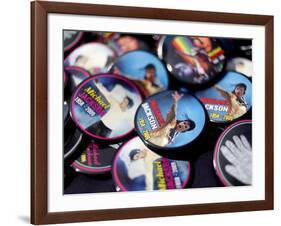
{"points": [[155, 112]]}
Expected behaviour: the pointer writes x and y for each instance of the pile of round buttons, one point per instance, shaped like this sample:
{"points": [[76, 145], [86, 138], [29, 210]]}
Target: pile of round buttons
{"points": [[155, 112]]}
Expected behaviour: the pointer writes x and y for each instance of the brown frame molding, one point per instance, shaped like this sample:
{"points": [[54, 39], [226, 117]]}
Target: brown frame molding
{"points": [[39, 107]]}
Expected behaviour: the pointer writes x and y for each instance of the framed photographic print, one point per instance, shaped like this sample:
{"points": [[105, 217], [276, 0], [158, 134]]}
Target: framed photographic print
{"points": [[146, 112]]}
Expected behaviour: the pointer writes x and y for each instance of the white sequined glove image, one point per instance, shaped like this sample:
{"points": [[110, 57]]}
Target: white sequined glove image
{"points": [[239, 154]]}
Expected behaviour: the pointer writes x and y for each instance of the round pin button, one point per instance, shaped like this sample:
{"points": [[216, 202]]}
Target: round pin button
{"points": [[126, 43], [103, 106], [72, 143], [241, 65], [197, 61], [162, 44], [95, 159], [75, 75], [94, 57], [136, 168], [229, 99], [144, 69], [71, 39], [65, 112], [233, 154], [69, 126], [170, 120], [107, 36]]}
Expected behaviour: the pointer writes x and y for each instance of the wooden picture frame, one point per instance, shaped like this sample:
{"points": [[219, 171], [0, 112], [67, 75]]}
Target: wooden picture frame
{"points": [[39, 109]]}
